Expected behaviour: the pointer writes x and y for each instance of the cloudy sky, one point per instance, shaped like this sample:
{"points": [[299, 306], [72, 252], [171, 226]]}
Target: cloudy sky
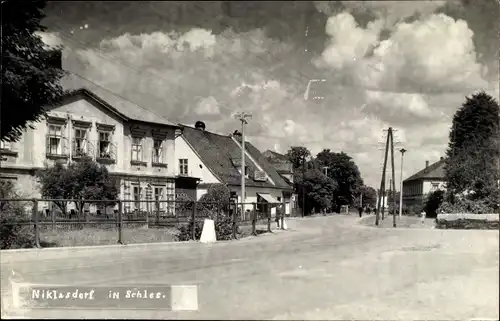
{"points": [[405, 64]]}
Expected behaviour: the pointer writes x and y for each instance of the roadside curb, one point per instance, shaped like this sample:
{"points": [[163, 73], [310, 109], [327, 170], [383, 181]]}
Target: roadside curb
{"points": [[26, 255]]}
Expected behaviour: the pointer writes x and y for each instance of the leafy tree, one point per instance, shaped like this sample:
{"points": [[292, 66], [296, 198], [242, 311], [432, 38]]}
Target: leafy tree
{"points": [[297, 156], [84, 181], [30, 80], [473, 150], [433, 203], [369, 196], [343, 170], [319, 189]]}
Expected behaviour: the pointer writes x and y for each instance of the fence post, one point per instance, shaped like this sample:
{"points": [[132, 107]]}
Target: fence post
{"points": [[120, 222], [254, 219], [157, 212], [53, 218], [235, 213], [193, 220], [37, 223], [268, 209]]}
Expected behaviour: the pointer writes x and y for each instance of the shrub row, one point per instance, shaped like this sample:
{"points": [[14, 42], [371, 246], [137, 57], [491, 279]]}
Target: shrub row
{"points": [[468, 221]]}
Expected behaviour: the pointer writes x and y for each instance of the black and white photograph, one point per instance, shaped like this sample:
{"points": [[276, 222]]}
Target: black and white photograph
{"points": [[250, 160]]}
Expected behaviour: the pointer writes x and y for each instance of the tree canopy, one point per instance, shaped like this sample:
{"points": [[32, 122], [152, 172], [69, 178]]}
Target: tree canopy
{"points": [[297, 155], [85, 181], [320, 190], [343, 170], [30, 80], [473, 149]]}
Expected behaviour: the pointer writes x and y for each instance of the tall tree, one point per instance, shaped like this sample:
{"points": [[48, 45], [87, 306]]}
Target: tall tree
{"points": [[473, 150], [369, 196], [319, 190], [30, 80], [297, 155], [343, 170]]}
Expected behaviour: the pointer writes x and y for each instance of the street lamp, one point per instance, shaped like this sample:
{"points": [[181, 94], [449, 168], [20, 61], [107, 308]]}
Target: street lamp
{"points": [[403, 151]]}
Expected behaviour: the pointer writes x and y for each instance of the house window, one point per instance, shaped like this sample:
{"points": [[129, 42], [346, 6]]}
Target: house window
{"points": [[137, 149], [126, 196], [105, 144], [158, 151], [137, 197], [79, 142], [183, 166], [158, 195], [55, 140], [5, 145]]}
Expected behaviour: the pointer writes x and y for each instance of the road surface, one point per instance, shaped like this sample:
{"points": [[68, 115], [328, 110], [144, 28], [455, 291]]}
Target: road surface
{"points": [[325, 268]]}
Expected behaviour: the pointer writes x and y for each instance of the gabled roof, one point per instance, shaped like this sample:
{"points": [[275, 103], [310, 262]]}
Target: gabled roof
{"points": [[279, 161], [218, 153], [120, 106], [433, 171]]}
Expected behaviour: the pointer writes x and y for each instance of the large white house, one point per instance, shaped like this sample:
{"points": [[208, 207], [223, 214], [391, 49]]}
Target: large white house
{"points": [[136, 145], [216, 159]]}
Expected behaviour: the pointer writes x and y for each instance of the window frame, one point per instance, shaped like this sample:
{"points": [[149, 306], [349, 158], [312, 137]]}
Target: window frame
{"points": [[55, 131], [158, 158], [183, 166], [109, 141], [137, 148]]}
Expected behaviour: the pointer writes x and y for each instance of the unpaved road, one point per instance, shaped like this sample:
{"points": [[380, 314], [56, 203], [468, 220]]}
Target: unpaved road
{"points": [[325, 268]]}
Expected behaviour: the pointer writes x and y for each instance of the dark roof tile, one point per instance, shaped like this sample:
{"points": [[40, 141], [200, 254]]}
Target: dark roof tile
{"points": [[433, 171], [218, 152]]}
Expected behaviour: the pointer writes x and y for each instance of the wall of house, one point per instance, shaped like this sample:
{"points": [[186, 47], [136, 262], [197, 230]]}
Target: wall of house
{"points": [[166, 167], [251, 197], [433, 185], [30, 151], [196, 168]]}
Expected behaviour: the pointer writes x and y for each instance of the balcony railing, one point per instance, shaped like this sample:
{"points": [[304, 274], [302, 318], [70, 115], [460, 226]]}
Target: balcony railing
{"points": [[82, 148], [106, 152], [56, 146]]}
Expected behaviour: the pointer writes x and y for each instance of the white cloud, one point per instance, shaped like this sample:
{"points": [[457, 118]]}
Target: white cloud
{"points": [[207, 106], [199, 75]]}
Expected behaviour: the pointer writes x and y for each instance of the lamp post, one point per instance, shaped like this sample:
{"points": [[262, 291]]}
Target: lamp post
{"points": [[403, 151]]}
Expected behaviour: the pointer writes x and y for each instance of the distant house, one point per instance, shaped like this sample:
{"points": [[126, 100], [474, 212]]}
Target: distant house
{"points": [[418, 186], [282, 165], [216, 159]]}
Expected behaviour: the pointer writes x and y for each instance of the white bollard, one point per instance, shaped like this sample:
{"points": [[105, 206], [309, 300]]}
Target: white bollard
{"points": [[208, 232]]}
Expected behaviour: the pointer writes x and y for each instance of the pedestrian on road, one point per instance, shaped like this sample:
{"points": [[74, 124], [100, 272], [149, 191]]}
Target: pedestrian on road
{"points": [[279, 212], [360, 211], [422, 216]]}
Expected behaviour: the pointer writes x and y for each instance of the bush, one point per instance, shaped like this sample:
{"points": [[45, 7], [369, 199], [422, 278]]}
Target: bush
{"points": [[14, 232], [433, 202], [466, 205], [223, 230], [212, 205]]}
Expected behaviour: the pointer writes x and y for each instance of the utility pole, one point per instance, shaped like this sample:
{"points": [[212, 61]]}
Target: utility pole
{"points": [[389, 145], [393, 179], [303, 189], [382, 183], [242, 117], [403, 151]]}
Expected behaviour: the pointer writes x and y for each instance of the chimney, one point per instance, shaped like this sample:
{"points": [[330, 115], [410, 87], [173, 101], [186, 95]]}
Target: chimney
{"points": [[200, 125], [426, 163], [237, 135]]}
